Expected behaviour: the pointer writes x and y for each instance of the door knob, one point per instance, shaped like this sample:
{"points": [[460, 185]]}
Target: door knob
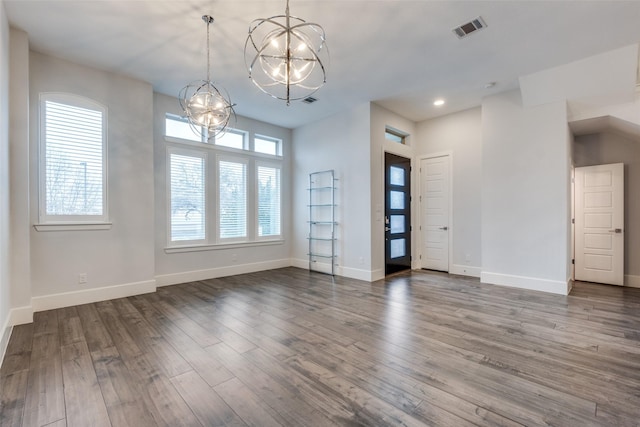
{"points": [[616, 230], [445, 228]]}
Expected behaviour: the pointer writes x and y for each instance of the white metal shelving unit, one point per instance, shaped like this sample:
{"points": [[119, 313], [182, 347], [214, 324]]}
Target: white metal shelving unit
{"points": [[322, 221]]}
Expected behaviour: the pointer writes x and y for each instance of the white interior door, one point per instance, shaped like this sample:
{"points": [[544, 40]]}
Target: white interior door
{"points": [[599, 224], [434, 212]]}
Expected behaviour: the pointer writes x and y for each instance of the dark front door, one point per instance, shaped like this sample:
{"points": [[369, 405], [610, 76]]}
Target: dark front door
{"points": [[397, 201]]}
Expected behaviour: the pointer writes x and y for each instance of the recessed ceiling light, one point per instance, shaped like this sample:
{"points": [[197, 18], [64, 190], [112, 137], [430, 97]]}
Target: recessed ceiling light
{"points": [[438, 102]]}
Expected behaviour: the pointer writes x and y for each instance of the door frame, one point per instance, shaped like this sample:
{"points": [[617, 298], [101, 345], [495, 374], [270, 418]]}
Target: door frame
{"points": [[449, 155], [574, 213]]}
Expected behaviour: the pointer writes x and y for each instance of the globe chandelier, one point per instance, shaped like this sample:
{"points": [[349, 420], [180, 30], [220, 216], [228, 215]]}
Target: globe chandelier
{"points": [[204, 105], [286, 56]]}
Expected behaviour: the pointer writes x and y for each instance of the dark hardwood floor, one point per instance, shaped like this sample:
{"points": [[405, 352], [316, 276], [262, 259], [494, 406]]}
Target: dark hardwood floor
{"points": [[288, 347]]}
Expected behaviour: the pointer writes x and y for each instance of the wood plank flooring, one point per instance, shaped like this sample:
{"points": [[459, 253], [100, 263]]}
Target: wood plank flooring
{"points": [[292, 348]]}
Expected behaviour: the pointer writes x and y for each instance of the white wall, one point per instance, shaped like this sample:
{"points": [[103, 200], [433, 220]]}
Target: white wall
{"points": [[19, 176], [122, 256], [5, 285], [341, 143], [606, 148], [461, 135], [525, 194], [172, 268], [380, 119]]}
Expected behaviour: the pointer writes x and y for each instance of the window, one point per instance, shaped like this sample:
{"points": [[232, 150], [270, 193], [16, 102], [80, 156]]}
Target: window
{"points": [[72, 160], [224, 193], [187, 195], [395, 135], [268, 179], [266, 145], [232, 199], [232, 138], [179, 127]]}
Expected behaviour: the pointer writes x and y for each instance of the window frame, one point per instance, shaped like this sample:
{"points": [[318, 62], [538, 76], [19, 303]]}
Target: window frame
{"points": [[215, 153], [191, 152], [181, 119], [223, 157], [245, 140], [402, 136], [274, 165], [278, 142], [47, 222]]}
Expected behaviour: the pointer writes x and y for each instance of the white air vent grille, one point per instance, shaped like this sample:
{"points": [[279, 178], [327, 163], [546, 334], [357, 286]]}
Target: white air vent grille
{"points": [[474, 25]]}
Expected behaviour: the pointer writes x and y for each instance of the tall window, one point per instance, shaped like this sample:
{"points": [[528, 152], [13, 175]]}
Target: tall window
{"points": [[232, 201], [268, 180], [72, 159], [187, 193]]}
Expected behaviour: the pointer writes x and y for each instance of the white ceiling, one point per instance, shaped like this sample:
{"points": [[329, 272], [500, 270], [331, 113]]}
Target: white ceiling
{"points": [[400, 54]]}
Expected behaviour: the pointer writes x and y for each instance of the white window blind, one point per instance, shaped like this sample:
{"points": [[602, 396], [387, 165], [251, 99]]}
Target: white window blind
{"points": [[188, 213], [74, 145], [232, 206], [268, 201]]}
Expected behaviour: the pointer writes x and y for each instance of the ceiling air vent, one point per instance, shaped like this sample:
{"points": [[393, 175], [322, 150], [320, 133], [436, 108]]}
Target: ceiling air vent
{"points": [[309, 100], [465, 29]]}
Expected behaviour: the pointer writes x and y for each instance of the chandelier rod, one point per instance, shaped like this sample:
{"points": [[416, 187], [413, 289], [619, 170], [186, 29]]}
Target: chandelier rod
{"points": [[208, 19]]}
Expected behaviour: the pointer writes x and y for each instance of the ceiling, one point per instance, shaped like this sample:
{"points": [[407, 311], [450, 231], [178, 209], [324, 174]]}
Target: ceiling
{"points": [[400, 54]]}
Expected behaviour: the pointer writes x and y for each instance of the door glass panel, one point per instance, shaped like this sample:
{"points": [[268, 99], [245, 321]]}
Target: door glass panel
{"points": [[397, 200], [397, 248], [396, 224], [396, 176]]}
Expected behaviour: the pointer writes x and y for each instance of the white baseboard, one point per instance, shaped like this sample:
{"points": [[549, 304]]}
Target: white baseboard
{"points": [[86, 296], [531, 283], [632, 281], [465, 270], [21, 315], [6, 334], [299, 263], [212, 273], [377, 275], [352, 273], [356, 273], [16, 316]]}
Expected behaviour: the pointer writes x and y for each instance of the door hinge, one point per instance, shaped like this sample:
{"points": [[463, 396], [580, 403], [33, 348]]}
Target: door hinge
{"points": [[411, 228], [573, 220], [410, 258], [420, 256], [573, 261]]}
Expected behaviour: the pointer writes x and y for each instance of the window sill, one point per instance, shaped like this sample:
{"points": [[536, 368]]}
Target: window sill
{"points": [[218, 246], [76, 226]]}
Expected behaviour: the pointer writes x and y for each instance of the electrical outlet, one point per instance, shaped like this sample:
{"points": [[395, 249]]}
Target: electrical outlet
{"points": [[82, 278]]}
